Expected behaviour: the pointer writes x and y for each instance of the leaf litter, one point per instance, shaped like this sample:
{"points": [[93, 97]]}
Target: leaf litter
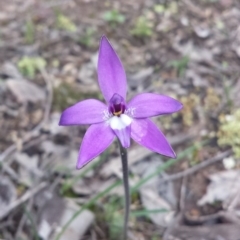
{"points": [[201, 38]]}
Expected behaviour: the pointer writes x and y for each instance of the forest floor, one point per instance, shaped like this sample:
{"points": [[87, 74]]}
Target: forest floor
{"points": [[186, 49]]}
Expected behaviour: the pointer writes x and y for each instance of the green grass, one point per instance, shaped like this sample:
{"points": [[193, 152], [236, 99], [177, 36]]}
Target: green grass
{"points": [[87, 205], [145, 212], [166, 165], [33, 227], [180, 65], [87, 38], [134, 189], [29, 34]]}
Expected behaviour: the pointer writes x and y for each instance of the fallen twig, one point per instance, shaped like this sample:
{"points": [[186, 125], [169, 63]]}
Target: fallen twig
{"points": [[22, 199], [197, 167]]}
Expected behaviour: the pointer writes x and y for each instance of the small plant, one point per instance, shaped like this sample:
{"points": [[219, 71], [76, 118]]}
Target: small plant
{"points": [[113, 17], [64, 23], [142, 28], [180, 65], [190, 102], [159, 8], [114, 217], [229, 132], [29, 65], [87, 38], [29, 31], [171, 8], [219, 24]]}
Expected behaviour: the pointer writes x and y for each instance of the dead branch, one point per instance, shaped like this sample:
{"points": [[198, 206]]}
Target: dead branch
{"points": [[29, 194], [197, 167]]}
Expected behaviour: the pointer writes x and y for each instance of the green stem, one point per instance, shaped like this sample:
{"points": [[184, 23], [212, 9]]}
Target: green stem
{"points": [[123, 153]]}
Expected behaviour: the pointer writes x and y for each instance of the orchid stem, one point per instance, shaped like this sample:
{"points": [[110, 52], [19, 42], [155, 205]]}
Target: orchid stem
{"points": [[123, 153]]}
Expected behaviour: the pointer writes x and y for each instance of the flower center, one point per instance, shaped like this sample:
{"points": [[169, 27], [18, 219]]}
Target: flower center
{"points": [[117, 105]]}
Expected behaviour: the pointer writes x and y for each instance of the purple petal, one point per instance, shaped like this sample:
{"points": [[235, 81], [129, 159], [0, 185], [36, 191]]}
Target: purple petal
{"points": [[86, 112], [149, 105], [111, 74], [124, 136], [146, 133], [97, 138]]}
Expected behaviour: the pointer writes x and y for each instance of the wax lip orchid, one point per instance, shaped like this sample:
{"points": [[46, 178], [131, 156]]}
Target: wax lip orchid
{"points": [[117, 118]]}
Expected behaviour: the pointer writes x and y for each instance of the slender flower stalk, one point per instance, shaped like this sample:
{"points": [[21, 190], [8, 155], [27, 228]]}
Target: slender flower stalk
{"points": [[123, 154], [117, 118]]}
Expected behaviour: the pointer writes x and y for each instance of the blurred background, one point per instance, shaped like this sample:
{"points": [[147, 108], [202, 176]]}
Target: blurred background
{"points": [[187, 49]]}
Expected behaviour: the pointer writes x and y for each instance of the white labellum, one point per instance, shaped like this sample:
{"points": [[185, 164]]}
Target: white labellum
{"points": [[118, 123]]}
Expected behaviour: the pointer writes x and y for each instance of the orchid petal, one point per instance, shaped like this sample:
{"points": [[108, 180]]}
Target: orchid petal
{"points": [[97, 138], [124, 136], [111, 74], [148, 105], [86, 112], [122, 128], [146, 133]]}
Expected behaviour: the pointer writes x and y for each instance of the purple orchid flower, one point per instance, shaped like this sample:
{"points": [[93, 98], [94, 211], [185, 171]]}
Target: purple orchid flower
{"points": [[118, 118]]}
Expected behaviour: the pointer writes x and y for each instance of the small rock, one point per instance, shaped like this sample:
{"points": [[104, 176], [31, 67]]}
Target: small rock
{"points": [[185, 21], [10, 70], [25, 91], [202, 32], [224, 187], [229, 163]]}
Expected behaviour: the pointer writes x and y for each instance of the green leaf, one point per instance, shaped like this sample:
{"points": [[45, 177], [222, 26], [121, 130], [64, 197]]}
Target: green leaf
{"points": [[145, 212], [159, 8], [180, 65], [28, 66], [65, 23], [142, 28], [113, 16], [87, 38]]}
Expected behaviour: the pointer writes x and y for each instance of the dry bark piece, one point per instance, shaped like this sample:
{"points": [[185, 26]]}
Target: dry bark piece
{"points": [[224, 187], [8, 69], [155, 195], [216, 232], [50, 206], [25, 91], [55, 212], [79, 225], [28, 169], [8, 193]]}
